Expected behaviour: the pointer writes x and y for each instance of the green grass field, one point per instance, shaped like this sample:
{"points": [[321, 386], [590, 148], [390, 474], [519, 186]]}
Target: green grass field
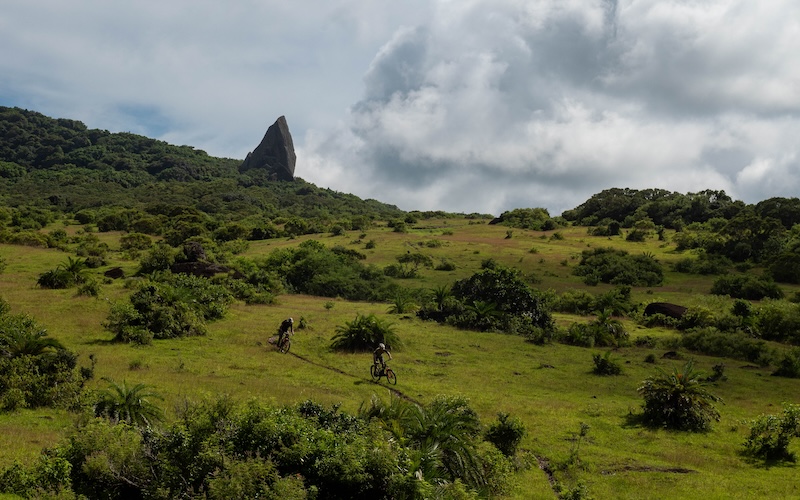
{"points": [[550, 388]]}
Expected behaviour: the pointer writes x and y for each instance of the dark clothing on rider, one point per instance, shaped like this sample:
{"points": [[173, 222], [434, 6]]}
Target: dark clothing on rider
{"points": [[377, 355], [287, 326]]}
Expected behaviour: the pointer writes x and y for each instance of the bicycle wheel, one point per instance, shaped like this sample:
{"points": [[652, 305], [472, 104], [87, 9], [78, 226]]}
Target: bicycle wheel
{"points": [[285, 345], [375, 371], [391, 377]]}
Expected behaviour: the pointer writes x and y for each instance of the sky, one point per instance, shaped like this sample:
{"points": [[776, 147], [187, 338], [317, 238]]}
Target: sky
{"points": [[456, 105]]}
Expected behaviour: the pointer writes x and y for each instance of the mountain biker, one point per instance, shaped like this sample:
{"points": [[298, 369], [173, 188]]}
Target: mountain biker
{"points": [[287, 326], [377, 355]]}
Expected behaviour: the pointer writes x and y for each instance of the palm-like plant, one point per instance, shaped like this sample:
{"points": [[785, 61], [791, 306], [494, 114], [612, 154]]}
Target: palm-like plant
{"points": [[76, 268], [401, 304], [21, 336], [119, 402], [364, 333], [441, 436], [679, 400], [441, 295], [447, 429], [485, 313], [610, 331]]}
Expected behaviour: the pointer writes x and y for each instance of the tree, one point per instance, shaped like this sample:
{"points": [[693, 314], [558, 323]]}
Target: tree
{"points": [[679, 400], [505, 288]]}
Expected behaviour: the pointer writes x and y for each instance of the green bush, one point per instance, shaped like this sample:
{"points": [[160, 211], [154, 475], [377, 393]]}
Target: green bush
{"points": [[779, 321], [678, 400], [617, 267], [506, 434], [746, 287], [177, 307], [605, 364], [56, 279], [35, 369], [226, 450], [789, 365], [770, 435], [712, 342], [506, 292], [604, 331], [314, 269], [364, 333]]}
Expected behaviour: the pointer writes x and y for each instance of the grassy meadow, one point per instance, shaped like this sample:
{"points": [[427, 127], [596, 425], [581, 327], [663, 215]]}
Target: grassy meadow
{"points": [[551, 388]]}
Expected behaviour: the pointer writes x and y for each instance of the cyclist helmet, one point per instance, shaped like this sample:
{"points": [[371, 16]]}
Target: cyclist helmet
{"points": [[382, 346], [291, 320]]}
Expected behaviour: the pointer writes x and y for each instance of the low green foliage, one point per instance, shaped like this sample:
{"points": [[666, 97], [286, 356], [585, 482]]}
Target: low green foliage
{"points": [[314, 269], [735, 345], [506, 434], [618, 267], [177, 306], [605, 364], [35, 369], [129, 404], [789, 364], [364, 333], [770, 435], [746, 287], [603, 331], [222, 449], [678, 400]]}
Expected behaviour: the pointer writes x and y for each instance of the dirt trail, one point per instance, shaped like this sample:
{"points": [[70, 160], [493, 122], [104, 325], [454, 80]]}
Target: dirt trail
{"points": [[394, 391]]}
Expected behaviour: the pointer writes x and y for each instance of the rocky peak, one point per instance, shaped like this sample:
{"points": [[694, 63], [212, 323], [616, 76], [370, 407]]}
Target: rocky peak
{"points": [[275, 153]]}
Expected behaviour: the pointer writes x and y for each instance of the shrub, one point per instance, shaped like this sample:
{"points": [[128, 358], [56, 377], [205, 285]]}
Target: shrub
{"points": [[604, 331], [506, 434], [314, 269], [711, 342], [678, 400], [177, 307], [789, 365], [364, 333], [575, 302], [400, 271], [91, 288], [605, 364], [607, 265], [770, 435], [56, 279], [445, 265], [779, 321], [511, 296], [135, 241], [746, 287], [35, 369]]}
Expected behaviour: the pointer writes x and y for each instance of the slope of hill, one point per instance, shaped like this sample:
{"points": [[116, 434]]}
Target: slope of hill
{"points": [[567, 367]]}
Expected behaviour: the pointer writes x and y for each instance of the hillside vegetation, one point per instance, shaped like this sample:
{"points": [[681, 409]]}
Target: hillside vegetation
{"points": [[143, 283]]}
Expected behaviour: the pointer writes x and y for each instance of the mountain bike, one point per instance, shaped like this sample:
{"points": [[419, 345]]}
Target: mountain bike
{"points": [[285, 344], [377, 371]]}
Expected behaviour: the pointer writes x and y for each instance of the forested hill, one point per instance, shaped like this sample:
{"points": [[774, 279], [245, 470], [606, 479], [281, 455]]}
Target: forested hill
{"points": [[61, 165], [122, 181]]}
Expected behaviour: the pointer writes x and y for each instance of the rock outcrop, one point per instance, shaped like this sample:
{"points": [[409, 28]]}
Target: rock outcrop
{"points": [[665, 308], [275, 154]]}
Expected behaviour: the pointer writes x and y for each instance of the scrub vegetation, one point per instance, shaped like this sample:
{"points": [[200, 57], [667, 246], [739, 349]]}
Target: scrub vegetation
{"points": [[141, 283]]}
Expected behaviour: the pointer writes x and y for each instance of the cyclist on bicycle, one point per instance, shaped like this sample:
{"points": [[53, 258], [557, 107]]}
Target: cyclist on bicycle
{"points": [[287, 326], [377, 355]]}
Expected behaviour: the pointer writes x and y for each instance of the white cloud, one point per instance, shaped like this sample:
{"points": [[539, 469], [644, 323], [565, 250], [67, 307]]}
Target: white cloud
{"points": [[469, 105]]}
